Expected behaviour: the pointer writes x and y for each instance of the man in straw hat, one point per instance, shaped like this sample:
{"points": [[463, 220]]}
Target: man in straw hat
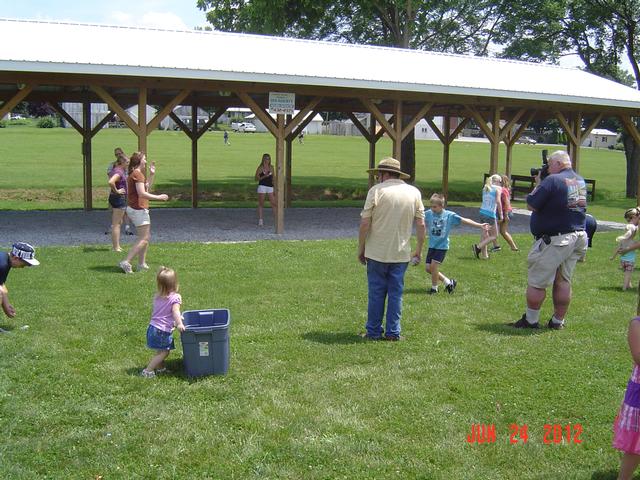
{"points": [[21, 255], [391, 209]]}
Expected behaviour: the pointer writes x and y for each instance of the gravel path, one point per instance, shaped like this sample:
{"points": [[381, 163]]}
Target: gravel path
{"points": [[76, 227]]}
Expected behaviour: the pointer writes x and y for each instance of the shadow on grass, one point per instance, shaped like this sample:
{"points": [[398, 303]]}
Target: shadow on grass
{"points": [[107, 269], [175, 369], [605, 475], [611, 288], [333, 338], [507, 329], [96, 249]]}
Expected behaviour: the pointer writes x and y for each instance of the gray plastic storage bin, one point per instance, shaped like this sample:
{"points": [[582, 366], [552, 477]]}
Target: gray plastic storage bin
{"points": [[205, 342]]}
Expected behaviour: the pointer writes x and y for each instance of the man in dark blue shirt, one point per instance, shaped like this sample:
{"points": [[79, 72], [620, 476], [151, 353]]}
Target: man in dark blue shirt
{"points": [[558, 206], [21, 255]]}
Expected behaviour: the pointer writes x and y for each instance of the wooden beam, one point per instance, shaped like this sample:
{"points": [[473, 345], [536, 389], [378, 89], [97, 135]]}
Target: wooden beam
{"points": [[375, 111], [523, 126], [397, 138], [214, 118], [564, 123], [86, 156], [106, 119], [380, 133], [458, 129], [280, 173], [359, 126], [262, 114], [409, 126], [436, 130], [507, 128], [479, 119], [64, 114], [185, 128], [594, 123], [302, 125], [11, 103], [577, 133], [372, 148], [194, 156], [446, 145], [142, 120], [115, 106], [155, 121], [495, 141], [302, 114]]}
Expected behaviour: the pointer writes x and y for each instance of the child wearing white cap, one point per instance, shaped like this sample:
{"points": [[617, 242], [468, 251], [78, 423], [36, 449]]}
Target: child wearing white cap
{"points": [[21, 255]]}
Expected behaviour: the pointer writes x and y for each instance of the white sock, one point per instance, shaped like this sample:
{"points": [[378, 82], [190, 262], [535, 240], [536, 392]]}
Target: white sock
{"points": [[533, 316], [446, 281], [555, 321], [434, 287]]}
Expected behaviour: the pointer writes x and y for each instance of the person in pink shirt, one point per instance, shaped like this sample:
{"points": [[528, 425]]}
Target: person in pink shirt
{"points": [[165, 317]]}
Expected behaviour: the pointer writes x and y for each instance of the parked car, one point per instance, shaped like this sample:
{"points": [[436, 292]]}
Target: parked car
{"points": [[16, 116], [243, 127], [527, 140]]}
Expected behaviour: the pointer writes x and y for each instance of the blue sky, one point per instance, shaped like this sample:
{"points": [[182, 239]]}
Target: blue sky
{"points": [[171, 14]]}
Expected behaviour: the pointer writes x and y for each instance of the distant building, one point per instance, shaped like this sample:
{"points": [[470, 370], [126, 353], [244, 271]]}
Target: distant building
{"points": [[600, 138], [313, 128], [98, 111]]}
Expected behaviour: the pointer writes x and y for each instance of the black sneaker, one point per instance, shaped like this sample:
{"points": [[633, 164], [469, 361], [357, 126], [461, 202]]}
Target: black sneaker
{"points": [[432, 291], [522, 323], [476, 250], [452, 286], [496, 249], [555, 326]]}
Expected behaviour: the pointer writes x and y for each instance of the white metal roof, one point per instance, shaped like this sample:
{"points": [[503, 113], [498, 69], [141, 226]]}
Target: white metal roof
{"points": [[603, 131], [110, 50]]}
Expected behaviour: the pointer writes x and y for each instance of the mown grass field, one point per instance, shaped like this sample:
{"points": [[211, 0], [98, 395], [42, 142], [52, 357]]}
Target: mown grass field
{"points": [[43, 168], [305, 397]]}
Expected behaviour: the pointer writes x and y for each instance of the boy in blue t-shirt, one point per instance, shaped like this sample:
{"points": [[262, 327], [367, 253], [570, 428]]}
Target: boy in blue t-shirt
{"points": [[439, 222]]}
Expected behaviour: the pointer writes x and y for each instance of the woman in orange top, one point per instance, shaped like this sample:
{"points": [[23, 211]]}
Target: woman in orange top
{"points": [[138, 197]]}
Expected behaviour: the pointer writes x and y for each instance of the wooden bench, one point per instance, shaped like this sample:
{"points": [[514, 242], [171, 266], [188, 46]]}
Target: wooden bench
{"points": [[524, 184]]}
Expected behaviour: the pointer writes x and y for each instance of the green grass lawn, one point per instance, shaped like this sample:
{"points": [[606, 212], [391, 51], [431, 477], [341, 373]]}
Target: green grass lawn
{"points": [[305, 397], [45, 168]]}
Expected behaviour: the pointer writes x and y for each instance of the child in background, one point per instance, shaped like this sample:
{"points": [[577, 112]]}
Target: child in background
{"points": [[490, 213], [507, 214], [626, 427], [165, 317], [628, 260], [439, 222]]}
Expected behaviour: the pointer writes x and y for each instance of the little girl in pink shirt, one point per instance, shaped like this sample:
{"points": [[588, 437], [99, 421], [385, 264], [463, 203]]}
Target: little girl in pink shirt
{"points": [[165, 317]]}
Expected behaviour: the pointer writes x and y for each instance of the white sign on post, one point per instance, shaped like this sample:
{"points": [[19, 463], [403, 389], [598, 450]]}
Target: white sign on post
{"points": [[280, 102]]}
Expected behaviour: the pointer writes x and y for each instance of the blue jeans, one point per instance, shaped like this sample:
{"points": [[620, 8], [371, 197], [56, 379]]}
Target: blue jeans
{"points": [[385, 280]]}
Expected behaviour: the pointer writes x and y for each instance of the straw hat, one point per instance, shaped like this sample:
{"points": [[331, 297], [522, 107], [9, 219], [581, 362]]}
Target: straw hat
{"points": [[389, 165]]}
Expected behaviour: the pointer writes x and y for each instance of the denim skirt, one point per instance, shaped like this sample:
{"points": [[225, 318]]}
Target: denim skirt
{"points": [[159, 340]]}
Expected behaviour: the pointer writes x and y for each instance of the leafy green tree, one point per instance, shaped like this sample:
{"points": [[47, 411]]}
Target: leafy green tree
{"points": [[455, 26]]}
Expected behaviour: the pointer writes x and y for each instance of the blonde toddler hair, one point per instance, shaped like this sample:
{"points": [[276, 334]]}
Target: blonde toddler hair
{"points": [[167, 281]]}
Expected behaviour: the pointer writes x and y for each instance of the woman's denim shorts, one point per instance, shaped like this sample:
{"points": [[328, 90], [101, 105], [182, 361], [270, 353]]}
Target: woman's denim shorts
{"points": [[159, 340]]}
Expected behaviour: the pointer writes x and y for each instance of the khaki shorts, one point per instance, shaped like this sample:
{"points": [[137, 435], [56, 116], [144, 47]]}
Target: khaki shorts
{"points": [[562, 253], [139, 217]]}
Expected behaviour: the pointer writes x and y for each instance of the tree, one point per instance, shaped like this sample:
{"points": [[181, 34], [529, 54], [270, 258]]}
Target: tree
{"points": [[455, 26], [599, 32]]}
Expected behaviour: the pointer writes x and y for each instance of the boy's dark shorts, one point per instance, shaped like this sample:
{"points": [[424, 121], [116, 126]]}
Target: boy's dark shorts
{"points": [[436, 255]]}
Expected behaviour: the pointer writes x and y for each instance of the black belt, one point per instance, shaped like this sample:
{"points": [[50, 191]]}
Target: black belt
{"points": [[547, 236]]}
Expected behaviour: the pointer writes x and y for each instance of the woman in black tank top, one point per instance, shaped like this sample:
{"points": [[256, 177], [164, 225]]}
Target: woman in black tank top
{"points": [[264, 177]]}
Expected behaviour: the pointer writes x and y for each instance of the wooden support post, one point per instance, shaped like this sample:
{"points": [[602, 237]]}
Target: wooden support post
{"points": [[508, 141], [575, 159], [446, 134], [86, 155], [495, 141], [397, 127], [372, 148], [194, 156], [288, 152], [142, 120], [280, 173]]}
